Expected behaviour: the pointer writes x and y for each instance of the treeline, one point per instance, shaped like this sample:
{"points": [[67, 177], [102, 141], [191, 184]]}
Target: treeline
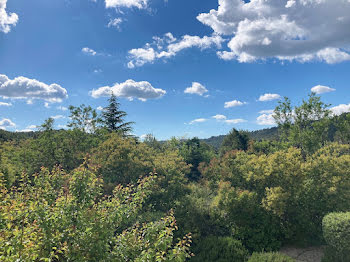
{"points": [[96, 193]]}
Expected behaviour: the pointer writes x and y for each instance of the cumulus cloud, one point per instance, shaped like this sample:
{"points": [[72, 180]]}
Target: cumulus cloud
{"points": [[294, 30], [6, 123], [266, 118], [140, 4], [5, 104], [321, 89], [6, 19], [30, 89], [269, 97], [234, 103], [88, 51], [223, 119], [168, 46], [198, 120], [219, 117], [196, 88], [340, 109], [116, 22], [130, 89]]}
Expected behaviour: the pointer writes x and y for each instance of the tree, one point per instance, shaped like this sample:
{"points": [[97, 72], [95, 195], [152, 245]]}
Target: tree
{"points": [[306, 126], [47, 125], [235, 140], [113, 118], [84, 118], [194, 153]]}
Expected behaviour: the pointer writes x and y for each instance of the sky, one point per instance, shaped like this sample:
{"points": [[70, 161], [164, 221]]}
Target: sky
{"points": [[180, 68]]}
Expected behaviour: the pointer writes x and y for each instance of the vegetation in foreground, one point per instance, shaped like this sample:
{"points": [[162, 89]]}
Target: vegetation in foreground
{"points": [[96, 193]]}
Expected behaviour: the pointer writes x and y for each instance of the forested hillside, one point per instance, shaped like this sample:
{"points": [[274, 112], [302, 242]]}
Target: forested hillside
{"points": [[96, 193]]}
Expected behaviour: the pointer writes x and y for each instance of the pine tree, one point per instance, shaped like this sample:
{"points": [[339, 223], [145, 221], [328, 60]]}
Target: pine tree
{"points": [[113, 118]]}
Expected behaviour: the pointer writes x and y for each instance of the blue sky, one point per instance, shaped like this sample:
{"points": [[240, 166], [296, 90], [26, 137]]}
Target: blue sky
{"points": [[179, 67]]}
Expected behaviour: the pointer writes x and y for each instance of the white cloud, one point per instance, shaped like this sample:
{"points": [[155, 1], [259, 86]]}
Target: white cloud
{"points": [[219, 117], [321, 89], [99, 108], [88, 51], [6, 123], [198, 120], [222, 118], [58, 117], [6, 19], [169, 46], [130, 89], [269, 97], [140, 4], [31, 127], [299, 30], [197, 89], [47, 105], [5, 104], [234, 103], [30, 89], [235, 121], [340, 109], [266, 119], [269, 111], [116, 22]]}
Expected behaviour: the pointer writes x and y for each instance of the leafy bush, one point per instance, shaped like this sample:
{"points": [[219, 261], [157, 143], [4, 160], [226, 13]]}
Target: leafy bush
{"points": [[247, 219], [220, 249], [55, 216], [336, 231], [270, 257]]}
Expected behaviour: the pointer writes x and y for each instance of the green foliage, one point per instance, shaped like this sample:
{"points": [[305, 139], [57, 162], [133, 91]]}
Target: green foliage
{"points": [[122, 160], [197, 214], [247, 220], [296, 191], [60, 217], [305, 126], [342, 128], [235, 140], [113, 118], [336, 231], [83, 118], [220, 249], [194, 153], [270, 257], [266, 146]]}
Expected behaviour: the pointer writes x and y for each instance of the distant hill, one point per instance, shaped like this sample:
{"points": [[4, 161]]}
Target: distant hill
{"points": [[7, 135], [263, 134]]}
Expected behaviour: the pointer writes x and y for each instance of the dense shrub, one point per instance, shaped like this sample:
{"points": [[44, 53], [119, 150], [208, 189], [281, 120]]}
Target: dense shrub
{"points": [[63, 217], [220, 249], [270, 257], [336, 231], [247, 220]]}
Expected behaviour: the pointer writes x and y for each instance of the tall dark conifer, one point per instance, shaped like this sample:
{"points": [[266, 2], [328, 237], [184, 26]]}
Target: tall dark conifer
{"points": [[113, 118]]}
